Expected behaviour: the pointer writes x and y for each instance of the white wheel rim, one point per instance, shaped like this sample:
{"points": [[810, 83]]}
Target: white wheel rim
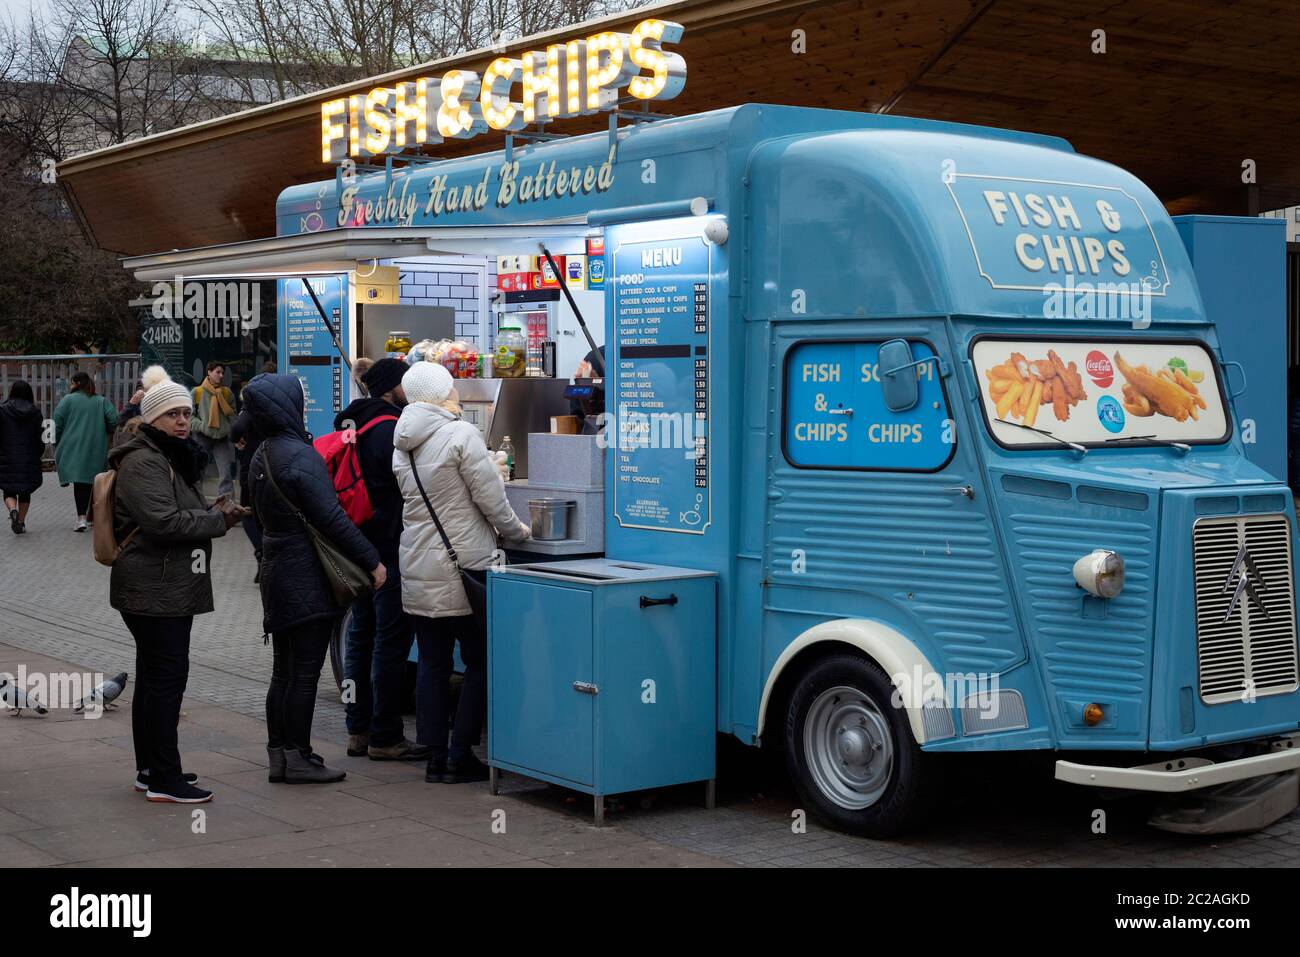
{"points": [[849, 748]]}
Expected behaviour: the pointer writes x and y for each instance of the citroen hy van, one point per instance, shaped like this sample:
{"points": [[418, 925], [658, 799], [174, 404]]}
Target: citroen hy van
{"points": [[961, 464]]}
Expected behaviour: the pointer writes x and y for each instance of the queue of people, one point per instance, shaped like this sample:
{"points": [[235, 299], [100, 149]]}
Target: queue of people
{"points": [[438, 515]]}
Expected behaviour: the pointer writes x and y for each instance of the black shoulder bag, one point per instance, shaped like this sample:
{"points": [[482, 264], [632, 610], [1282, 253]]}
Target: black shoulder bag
{"points": [[475, 581], [348, 581]]}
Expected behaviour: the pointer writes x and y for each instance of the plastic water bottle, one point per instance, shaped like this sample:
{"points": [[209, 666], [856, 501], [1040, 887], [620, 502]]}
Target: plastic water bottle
{"points": [[508, 448]]}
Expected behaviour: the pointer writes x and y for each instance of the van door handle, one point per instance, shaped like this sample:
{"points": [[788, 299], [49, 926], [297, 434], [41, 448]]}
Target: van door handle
{"points": [[840, 411], [585, 687], [967, 490]]}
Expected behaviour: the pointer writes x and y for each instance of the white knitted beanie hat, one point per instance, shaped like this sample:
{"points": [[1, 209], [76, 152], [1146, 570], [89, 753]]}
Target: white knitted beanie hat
{"points": [[163, 395], [427, 382]]}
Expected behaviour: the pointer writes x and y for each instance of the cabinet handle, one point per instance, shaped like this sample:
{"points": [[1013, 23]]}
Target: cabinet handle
{"points": [[646, 601], [585, 687]]}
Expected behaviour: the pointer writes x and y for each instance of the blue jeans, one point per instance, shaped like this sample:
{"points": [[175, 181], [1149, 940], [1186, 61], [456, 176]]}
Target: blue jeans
{"points": [[379, 644]]}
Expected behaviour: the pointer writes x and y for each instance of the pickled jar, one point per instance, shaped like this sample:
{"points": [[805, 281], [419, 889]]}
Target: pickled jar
{"points": [[398, 344], [510, 356]]}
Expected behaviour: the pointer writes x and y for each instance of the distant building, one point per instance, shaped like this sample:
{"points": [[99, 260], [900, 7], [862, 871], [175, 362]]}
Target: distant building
{"points": [[1292, 216]]}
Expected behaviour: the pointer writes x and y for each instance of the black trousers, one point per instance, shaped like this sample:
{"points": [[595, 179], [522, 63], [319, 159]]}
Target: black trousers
{"points": [[299, 654], [162, 668], [81, 493], [437, 639]]}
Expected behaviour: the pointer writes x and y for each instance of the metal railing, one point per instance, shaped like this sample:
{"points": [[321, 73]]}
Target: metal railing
{"points": [[116, 377]]}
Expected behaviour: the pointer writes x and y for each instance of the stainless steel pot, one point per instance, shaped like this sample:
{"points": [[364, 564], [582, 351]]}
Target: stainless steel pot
{"points": [[549, 518]]}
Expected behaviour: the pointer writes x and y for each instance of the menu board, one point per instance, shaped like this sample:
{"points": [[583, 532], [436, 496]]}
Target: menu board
{"points": [[306, 343], [661, 328], [1097, 391]]}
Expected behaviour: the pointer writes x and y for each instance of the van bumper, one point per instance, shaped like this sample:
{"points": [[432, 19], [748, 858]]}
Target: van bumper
{"points": [[1187, 773]]}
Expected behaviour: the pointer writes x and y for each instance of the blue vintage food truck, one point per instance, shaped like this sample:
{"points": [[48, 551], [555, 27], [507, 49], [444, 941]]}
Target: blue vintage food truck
{"points": [[918, 440]]}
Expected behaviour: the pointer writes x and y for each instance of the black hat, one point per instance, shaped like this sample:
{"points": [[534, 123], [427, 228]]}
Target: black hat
{"points": [[384, 376]]}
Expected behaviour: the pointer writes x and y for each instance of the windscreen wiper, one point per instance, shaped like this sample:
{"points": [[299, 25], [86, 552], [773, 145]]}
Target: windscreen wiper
{"points": [[1182, 447], [1081, 449]]}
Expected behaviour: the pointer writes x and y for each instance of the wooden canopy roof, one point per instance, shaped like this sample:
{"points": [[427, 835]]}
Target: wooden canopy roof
{"points": [[1184, 94]]}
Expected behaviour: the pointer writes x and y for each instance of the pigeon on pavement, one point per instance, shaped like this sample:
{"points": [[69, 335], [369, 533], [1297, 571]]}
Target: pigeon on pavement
{"points": [[105, 693], [17, 700]]}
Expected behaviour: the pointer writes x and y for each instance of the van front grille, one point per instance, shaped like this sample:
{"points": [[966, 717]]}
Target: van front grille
{"points": [[1245, 607]]}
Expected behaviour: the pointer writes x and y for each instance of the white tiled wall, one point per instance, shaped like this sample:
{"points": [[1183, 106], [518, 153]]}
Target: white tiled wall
{"points": [[462, 283]]}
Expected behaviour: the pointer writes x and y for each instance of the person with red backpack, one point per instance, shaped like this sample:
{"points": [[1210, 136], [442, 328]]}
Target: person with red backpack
{"points": [[359, 456]]}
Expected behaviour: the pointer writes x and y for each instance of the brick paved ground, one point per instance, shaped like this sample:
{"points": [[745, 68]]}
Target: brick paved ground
{"points": [[64, 796]]}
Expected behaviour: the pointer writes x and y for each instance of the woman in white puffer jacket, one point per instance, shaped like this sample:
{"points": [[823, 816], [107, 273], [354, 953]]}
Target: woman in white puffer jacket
{"points": [[466, 490]]}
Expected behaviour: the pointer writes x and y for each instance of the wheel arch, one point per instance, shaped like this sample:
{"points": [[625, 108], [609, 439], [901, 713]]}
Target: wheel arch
{"points": [[886, 646]]}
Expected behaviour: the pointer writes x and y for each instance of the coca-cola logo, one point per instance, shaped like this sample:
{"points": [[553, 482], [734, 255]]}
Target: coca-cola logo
{"points": [[1099, 368]]}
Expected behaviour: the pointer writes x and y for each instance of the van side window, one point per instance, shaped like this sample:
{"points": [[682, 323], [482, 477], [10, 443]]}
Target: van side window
{"points": [[835, 417]]}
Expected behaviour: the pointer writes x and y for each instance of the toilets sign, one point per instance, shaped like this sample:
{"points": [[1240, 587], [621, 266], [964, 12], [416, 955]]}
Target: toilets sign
{"points": [[1030, 234], [576, 78]]}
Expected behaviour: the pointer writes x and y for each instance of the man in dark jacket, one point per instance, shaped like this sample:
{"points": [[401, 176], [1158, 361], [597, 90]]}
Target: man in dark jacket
{"points": [[289, 487], [380, 635]]}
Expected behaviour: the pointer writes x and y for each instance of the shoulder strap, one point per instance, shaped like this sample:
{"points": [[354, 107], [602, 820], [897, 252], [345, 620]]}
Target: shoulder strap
{"points": [[415, 473], [375, 421], [131, 534], [265, 449]]}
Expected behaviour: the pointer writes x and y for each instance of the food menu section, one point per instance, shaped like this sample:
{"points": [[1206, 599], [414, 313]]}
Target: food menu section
{"points": [[309, 349], [661, 326], [1093, 391]]}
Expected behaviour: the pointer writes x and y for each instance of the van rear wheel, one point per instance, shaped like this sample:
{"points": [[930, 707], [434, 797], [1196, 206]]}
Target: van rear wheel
{"points": [[851, 753]]}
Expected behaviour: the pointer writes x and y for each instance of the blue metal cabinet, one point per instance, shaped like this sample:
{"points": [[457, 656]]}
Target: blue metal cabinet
{"points": [[602, 675]]}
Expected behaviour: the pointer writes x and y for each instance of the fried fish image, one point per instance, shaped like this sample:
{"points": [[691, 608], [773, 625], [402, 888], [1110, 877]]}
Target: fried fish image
{"points": [[1164, 395]]}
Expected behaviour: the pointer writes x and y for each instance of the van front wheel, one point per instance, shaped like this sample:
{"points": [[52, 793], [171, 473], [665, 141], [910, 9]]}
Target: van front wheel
{"points": [[851, 753]]}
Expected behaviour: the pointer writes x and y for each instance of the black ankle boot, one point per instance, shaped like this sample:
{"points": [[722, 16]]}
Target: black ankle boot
{"points": [[435, 769], [275, 764], [308, 769], [466, 769]]}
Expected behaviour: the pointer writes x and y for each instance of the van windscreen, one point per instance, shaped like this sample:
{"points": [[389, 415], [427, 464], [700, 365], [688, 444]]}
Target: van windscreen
{"points": [[1096, 392]]}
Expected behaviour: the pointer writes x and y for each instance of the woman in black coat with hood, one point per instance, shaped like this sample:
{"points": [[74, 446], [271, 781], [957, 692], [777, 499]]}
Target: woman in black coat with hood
{"points": [[21, 449], [299, 610]]}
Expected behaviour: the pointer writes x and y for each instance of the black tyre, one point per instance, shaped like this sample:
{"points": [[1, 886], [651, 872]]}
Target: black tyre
{"points": [[851, 753], [338, 653]]}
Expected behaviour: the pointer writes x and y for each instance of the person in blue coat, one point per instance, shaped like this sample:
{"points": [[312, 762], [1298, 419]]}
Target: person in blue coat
{"points": [[299, 610]]}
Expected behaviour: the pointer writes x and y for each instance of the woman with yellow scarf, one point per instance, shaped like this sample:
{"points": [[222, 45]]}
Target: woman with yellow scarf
{"points": [[214, 411]]}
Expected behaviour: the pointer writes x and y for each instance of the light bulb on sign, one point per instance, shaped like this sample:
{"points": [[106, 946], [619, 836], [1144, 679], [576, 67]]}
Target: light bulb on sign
{"points": [[668, 69], [500, 112], [379, 120], [332, 131], [460, 114], [608, 68]]}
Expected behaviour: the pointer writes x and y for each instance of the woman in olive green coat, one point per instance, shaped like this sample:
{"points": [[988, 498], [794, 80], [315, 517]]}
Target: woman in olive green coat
{"points": [[83, 422]]}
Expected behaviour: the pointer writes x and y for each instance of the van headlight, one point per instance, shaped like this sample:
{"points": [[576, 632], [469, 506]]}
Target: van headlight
{"points": [[1100, 573]]}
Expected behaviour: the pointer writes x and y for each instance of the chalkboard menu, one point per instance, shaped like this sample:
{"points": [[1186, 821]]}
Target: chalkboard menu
{"points": [[661, 327], [308, 349]]}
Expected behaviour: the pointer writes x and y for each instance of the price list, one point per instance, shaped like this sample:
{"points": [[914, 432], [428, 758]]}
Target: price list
{"points": [[312, 356], [661, 323]]}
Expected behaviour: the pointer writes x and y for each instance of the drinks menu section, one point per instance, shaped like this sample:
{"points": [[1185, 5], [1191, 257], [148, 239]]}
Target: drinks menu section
{"points": [[661, 326], [311, 354]]}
